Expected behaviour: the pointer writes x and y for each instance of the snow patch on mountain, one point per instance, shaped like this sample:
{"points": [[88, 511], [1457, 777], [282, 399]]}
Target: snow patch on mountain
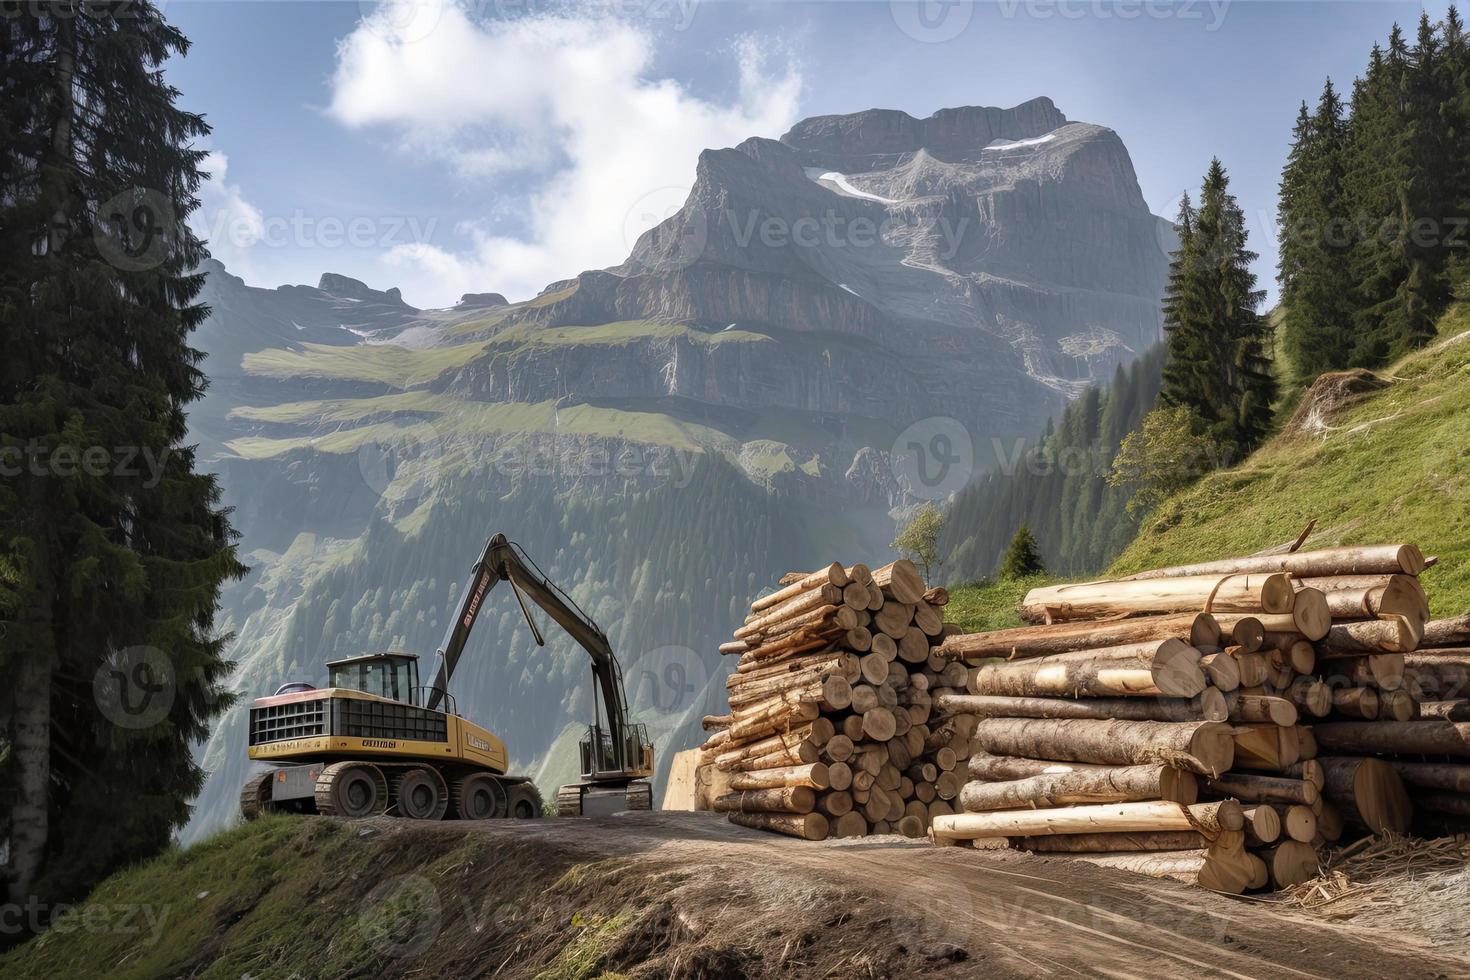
{"points": [[838, 182]]}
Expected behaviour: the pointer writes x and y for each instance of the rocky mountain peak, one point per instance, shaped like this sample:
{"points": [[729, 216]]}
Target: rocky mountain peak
{"points": [[876, 138], [345, 287]]}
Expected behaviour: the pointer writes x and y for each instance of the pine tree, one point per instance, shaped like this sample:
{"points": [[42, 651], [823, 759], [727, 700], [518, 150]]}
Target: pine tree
{"points": [[1023, 557], [112, 548], [1218, 366], [1316, 239]]}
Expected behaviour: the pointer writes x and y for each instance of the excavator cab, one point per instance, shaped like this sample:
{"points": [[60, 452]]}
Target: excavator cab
{"points": [[601, 761], [394, 676]]}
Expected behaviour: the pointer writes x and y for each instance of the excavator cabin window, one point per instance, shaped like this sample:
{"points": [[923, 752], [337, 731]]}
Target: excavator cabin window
{"points": [[394, 676]]}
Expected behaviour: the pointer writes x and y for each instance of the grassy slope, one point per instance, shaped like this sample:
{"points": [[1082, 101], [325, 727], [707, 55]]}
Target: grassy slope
{"points": [[1394, 466]]}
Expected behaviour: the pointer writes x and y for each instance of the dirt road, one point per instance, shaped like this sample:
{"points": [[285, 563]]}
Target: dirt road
{"points": [[985, 913]]}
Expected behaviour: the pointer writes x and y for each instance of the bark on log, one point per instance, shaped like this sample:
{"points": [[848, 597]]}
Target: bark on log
{"points": [[1455, 710], [1023, 642], [1396, 634], [1311, 695], [1255, 708], [1349, 560], [1207, 818], [1356, 702], [1447, 632], [814, 776], [1227, 871], [781, 799], [809, 826], [1368, 791], [1251, 788], [1116, 785], [1384, 671], [1201, 747], [1169, 669], [1210, 705], [1156, 840], [833, 574], [1249, 593], [1424, 737], [1397, 706]]}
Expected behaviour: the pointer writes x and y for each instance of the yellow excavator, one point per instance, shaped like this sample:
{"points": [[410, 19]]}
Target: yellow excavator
{"points": [[373, 741]]}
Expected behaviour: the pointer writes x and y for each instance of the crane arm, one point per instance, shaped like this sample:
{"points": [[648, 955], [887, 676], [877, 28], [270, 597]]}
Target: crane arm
{"points": [[503, 560]]}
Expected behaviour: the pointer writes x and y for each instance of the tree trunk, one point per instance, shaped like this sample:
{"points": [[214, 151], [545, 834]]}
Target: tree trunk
{"points": [[1199, 629], [31, 756], [1269, 593], [1368, 791], [833, 574], [1207, 818], [1171, 670], [1255, 708], [781, 799], [1116, 785], [808, 826], [1447, 632], [814, 776], [1156, 840], [1425, 737], [1387, 559], [1202, 747], [1397, 634], [1251, 788], [1210, 705], [1448, 776], [1221, 870]]}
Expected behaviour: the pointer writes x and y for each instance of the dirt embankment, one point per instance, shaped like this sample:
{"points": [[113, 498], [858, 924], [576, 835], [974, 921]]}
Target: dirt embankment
{"points": [[676, 895]]}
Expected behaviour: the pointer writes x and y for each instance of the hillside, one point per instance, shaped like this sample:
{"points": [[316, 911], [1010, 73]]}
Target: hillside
{"points": [[1391, 464], [632, 895]]}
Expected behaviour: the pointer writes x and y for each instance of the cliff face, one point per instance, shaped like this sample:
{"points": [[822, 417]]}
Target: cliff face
{"points": [[668, 435]]}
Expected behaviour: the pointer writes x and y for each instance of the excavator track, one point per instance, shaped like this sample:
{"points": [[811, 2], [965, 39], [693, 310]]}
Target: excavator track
{"points": [[570, 799], [255, 795], [351, 789]]}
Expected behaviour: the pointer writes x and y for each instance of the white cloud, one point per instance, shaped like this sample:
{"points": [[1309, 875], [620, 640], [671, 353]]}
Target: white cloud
{"points": [[225, 219], [568, 101]]}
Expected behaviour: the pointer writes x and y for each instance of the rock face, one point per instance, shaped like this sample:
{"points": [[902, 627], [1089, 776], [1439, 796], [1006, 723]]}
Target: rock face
{"points": [[1011, 233]]}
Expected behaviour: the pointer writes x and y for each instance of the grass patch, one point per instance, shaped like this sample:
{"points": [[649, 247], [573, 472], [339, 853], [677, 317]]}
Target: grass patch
{"points": [[990, 605], [400, 367], [622, 333], [1394, 466]]}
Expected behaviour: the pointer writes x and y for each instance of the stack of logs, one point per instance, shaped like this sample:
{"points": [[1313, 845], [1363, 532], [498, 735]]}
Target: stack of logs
{"points": [[1156, 722], [829, 732], [1429, 747]]}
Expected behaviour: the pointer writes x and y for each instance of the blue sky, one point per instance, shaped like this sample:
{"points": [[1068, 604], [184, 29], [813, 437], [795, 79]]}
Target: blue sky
{"points": [[499, 145]]}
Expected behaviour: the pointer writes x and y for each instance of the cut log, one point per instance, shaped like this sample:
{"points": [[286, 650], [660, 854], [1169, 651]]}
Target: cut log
{"points": [[1447, 632], [1300, 656], [837, 803], [1310, 695], [1170, 669], [1299, 822], [1384, 671], [879, 724], [1263, 746], [1329, 822], [1388, 559], [1254, 708], [833, 574], [1447, 776], [1116, 785], [1157, 840], [1207, 818], [901, 580], [850, 825], [1245, 593], [1395, 634], [1210, 705], [825, 596], [1397, 706], [1356, 702], [1202, 747], [809, 826], [814, 776], [1368, 791], [1262, 825], [784, 799], [1199, 629], [1424, 737], [1222, 870], [1291, 862], [1309, 770], [1253, 667], [1222, 669], [1252, 788]]}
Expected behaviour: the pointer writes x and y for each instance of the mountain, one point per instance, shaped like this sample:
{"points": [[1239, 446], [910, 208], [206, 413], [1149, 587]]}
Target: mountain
{"points": [[834, 326]]}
